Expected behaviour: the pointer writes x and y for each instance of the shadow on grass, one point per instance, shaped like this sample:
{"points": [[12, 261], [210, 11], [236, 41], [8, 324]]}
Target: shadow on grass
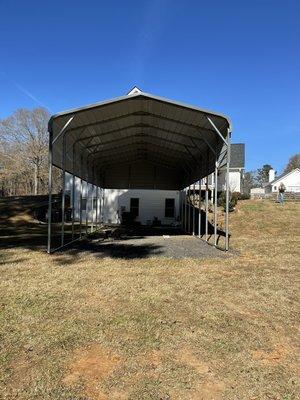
{"points": [[128, 243], [34, 238], [108, 249]]}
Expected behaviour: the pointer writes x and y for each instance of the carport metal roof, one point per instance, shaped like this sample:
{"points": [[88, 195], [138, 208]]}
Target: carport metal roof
{"points": [[139, 141]]}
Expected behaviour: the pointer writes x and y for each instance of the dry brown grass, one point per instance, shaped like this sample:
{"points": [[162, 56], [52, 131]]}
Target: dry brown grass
{"points": [[86, 328]]}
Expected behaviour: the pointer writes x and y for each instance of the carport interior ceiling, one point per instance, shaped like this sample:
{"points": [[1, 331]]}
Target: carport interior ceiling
{"points": [[138, 141]]}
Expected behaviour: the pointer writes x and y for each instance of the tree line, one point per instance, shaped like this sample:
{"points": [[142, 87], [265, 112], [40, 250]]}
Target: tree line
{"points": [[24, 153], [24, 156]]}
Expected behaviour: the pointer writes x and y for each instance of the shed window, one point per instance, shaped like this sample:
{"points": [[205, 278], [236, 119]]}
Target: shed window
{"points": [[170, 208], [134, 206]]}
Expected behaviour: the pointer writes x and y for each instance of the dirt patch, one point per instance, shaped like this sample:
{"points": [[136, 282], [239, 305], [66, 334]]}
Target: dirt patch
{"points": [[188, 358], [91, 366], [271, 357], [210, 388]]}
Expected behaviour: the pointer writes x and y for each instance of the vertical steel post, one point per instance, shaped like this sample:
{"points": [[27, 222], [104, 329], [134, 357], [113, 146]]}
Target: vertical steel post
{"points": [[103, 205], [97, 204], [73, 203], [227, 192], [100, 206], [50, 194], [80, 209], [73, 192], [199, 207], [185, 211], [63, 194], [194, 209], [216, 203], [189, 203], [92, 221], [206, 209], [80, 198], [182, 207], [86, 206]]}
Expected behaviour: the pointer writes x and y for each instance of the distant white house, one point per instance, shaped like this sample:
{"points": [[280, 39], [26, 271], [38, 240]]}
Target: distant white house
{"points": [[291, 181]]}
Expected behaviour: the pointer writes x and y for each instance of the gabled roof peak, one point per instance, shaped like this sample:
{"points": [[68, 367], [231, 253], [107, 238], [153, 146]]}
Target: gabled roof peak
{"points": [[282, 176], [134, 90]]}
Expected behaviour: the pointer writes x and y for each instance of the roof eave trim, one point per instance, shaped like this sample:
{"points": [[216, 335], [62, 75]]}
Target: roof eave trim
{"points": [[142, 94]]}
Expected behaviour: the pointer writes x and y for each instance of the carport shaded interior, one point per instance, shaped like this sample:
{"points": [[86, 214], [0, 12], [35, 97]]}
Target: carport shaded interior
{"points": [[138, 141]]}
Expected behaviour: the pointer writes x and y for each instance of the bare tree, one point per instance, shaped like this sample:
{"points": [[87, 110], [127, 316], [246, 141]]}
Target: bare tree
{"points": [[24, 149], [294, 162]]}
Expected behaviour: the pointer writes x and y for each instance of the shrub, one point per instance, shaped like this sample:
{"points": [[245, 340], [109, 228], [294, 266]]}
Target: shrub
{"points": [[241, 196], [233, 199], [245, 196]]}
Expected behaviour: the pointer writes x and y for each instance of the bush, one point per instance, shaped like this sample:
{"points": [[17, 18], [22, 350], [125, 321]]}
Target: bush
{"points": [[245, 196], [241, 196], [232, 202]]}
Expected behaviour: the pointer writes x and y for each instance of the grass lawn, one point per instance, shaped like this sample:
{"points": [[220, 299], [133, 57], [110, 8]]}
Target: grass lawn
{"points": [[106, 328]]}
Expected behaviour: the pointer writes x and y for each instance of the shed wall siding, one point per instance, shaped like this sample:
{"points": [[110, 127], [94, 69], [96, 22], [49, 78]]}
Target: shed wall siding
{"points": [[151, 202]]}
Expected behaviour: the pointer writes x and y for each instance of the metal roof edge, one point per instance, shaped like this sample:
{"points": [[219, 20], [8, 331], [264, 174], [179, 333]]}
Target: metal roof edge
{"points": [[142, 94]]}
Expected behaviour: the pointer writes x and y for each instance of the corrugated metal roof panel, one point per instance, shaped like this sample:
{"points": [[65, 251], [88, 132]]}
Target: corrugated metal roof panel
{"points": [[104, 136]]}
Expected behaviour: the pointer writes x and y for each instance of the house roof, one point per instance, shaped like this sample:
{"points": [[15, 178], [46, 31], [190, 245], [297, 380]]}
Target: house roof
{"points": [[139, 141], [282, 176], [237, 155]]}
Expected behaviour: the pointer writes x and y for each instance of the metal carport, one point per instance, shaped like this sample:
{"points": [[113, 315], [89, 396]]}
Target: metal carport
{"points": [[139, 141]]}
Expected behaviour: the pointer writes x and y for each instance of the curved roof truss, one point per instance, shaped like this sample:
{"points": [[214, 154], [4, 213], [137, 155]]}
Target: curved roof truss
{"points": [[138, 141]]}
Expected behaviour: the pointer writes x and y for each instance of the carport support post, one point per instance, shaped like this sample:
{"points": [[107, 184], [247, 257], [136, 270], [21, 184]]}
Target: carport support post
{"points": [[185, 211], [63, 200], [103, 204], [80, 209], [182, 207], [227, 192], [189, 220], [194, 209], [80, 200], [50, 194], [97, 203], [73, 203], [92, 219], [73, 192], [86, 206], [199, 207], [216, 205], [206, 208], [100, 206]]}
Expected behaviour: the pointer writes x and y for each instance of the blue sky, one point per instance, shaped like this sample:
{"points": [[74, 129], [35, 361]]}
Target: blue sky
{"points": [[240, 58]]}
